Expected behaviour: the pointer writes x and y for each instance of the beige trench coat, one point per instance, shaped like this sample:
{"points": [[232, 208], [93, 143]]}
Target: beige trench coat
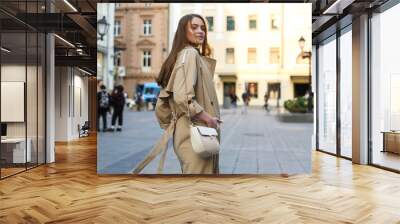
{"points": [[193, 94]]}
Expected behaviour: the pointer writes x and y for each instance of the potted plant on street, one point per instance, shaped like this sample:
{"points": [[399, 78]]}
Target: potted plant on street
{"points": [[298, 110], [297, 105]]}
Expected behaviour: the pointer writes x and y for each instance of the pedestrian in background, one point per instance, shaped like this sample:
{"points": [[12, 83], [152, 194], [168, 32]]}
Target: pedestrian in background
{"points": [[154, 101], [138, 101], [118, 103], [246, 101], [266, 98], [234, 100], [103, 107]]}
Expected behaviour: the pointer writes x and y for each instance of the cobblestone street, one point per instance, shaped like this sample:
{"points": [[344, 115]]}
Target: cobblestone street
{"points": [[254, 143]]}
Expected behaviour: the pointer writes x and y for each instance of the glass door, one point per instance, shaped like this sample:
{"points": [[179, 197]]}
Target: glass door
{"points": [[327, 95], [22, 89]]}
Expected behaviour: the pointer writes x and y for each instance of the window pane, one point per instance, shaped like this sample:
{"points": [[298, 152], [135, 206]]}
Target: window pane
{"points": [[274, 57], [230, 23], [22, 92], [230, 56], [385, 85], [346, 93], [252, 22], [13, 83], [252, 88], [117, 61], [327, 96], [147, 27], [31, 98], [251, 56], [274, 23], [210, 21], [117, 28], [41, 98]]}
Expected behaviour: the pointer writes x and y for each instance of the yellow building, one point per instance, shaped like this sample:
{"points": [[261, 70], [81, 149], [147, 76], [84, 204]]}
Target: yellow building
{"points": [[256, 47]]}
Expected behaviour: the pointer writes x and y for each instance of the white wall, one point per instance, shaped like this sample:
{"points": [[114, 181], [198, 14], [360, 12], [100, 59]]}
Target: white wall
{"points": [[71, 102], [80, 104], [61, 103]]}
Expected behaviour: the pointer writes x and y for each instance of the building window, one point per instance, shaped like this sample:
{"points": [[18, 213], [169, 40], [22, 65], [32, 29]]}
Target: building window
{"points": [[117, 28], [252, 89], [274, 23], [252, 22], [274, 90], [147, 27], [117, 59], [274, 56], [230, 23], [146, 63], [251, 56], [229, 55], [210, 21]]}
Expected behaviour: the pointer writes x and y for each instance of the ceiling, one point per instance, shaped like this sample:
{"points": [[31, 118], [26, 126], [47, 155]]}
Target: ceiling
{"points": [[73, 20], [328, 15]]}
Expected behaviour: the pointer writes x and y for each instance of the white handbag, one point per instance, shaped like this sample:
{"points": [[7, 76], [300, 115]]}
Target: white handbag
{"points": [[204, 140]]}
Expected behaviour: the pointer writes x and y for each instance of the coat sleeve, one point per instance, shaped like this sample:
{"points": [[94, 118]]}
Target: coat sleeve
{"points": [[163, 110], [185, 82]]}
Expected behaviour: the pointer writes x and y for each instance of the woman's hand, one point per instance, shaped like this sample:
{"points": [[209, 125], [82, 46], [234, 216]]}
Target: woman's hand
{"points": [[211, 122]]}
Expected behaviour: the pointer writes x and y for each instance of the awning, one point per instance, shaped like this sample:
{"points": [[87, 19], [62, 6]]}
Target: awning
{"points": [[303, 79], [227, 77]]}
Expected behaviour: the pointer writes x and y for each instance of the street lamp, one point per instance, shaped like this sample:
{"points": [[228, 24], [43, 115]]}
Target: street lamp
{"points": [[102, 27], [307, 54]]}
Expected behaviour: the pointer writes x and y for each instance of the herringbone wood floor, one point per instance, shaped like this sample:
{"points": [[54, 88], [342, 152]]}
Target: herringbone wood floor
{"points": [[70, 191]]}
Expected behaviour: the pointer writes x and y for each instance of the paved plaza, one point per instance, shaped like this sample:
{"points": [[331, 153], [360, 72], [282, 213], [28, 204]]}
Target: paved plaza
{"points": [[254, 143]]}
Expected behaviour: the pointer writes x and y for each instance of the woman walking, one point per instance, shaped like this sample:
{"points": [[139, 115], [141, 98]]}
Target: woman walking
{"points": [[118, 103], [187, 95]]}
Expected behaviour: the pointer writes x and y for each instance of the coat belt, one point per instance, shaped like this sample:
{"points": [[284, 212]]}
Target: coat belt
{"points": [[160, 147]]}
